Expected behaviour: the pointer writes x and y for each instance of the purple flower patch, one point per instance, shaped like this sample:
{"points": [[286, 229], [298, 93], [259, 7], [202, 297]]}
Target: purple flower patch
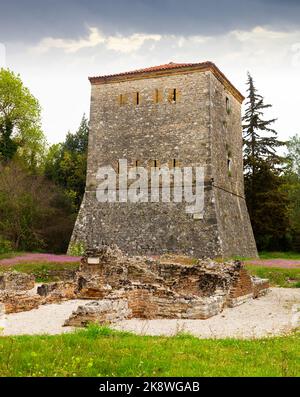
{"points": [[39, 258], [283, 263]]}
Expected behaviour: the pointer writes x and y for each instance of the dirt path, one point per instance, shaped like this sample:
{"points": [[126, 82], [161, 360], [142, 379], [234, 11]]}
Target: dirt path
{"points": [[275, 314]]}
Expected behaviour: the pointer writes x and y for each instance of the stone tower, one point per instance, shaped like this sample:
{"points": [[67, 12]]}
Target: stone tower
{"points": [[187, 114]]}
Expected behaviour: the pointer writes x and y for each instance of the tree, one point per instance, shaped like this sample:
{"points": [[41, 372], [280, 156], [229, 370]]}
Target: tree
{"points": [[8, 147], [66, 164], [267, 202], [293, 146], [20, 125], [78, 142], [268, 208], [260, 140], [34, 213], [292, 187]]}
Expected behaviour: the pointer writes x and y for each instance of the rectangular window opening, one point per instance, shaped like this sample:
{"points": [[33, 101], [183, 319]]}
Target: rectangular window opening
{"points": [[137, 98], [156, 96]]}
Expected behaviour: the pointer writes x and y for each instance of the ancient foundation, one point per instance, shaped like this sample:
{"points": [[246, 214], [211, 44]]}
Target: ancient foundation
{"points": [[123, 287]]}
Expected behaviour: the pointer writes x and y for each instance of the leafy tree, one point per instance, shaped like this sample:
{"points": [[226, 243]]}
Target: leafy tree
{"points": [[66, 164], [20, 126], [293, 146], [292, 187], [34, 213], [266, 200], [8, 146], [268, 208]]}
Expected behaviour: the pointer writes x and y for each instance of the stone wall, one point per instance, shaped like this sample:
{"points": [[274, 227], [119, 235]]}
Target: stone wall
{"points": [[196, 131], [165, 287], [234, 227], [102, 312], [123, 286], [16, 281]]}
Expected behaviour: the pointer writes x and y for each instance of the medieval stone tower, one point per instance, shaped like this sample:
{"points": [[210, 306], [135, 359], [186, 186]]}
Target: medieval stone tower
{"points": [[177, 114]]}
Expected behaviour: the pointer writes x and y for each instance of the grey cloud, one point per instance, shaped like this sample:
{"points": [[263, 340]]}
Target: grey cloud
{"points": [[31, 20]]}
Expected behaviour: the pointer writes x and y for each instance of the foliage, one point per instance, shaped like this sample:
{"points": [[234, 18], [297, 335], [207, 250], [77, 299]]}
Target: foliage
{"points": [[5, 246], [279, 277], [66, 164], [260, 140], [292, 187], [279, 255], [34, 214], [20, 126], [293, 146], [268, 208], [77, 249], [267, 201], [104, 352]]}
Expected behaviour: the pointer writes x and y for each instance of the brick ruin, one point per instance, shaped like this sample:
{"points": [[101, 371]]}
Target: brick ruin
{"points": [[123, 287]]}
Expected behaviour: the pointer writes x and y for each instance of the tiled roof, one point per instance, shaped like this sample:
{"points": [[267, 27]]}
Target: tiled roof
{"points": [[165, 69], [167, 66]]}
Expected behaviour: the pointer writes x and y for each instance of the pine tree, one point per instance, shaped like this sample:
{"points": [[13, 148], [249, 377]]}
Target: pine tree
{"points": [[266, 200], [260, 140], [78, 142]]}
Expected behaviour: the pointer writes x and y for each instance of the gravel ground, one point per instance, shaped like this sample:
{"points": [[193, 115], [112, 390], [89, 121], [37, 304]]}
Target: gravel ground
{"points": [[274, 314], [47, 319]]}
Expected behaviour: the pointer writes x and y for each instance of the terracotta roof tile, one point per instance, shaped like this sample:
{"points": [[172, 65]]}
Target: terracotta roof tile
{"points": [[160, 69], [167, 66]]}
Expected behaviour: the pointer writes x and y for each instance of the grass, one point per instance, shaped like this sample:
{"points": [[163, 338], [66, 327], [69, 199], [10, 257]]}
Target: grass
{"points": [[9, 255], [44, 272], [103, 352], [280, 255], [279, 277]]}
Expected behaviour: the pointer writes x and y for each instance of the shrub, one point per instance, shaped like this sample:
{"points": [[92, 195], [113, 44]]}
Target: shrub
{"points": [[5, 246]]}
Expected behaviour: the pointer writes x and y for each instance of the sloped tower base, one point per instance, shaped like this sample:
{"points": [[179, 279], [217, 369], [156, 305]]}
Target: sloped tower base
{"points": [[183, 114]]}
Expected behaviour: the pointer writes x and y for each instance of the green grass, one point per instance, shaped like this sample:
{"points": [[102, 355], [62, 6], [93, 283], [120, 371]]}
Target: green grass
{"points": [[44, 272], [280, 255], [103, 352], [279, 277], [9, 255]]}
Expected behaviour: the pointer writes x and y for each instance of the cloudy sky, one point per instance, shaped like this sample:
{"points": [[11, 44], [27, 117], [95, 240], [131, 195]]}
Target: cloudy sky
{"points": [[55, 45]]}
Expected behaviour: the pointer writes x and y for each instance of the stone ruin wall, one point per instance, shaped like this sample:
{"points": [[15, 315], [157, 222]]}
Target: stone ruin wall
{"points": [[123, 287], [169, 287]]}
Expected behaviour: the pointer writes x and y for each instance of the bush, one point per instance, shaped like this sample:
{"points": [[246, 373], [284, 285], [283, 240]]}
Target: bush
{"points": [[5, 246], [34, 213], [77, 249]]}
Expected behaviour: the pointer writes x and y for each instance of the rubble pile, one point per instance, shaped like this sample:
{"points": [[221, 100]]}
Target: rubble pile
{"points": [[123, 287]]}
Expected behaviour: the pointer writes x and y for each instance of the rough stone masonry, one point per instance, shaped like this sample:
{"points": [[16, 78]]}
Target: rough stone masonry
{"points": [[174, 114], [124, 287], [149, 288]]}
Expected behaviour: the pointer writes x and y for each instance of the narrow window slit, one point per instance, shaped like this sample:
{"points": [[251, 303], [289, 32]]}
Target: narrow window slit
{"points": [[174, 95]]}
